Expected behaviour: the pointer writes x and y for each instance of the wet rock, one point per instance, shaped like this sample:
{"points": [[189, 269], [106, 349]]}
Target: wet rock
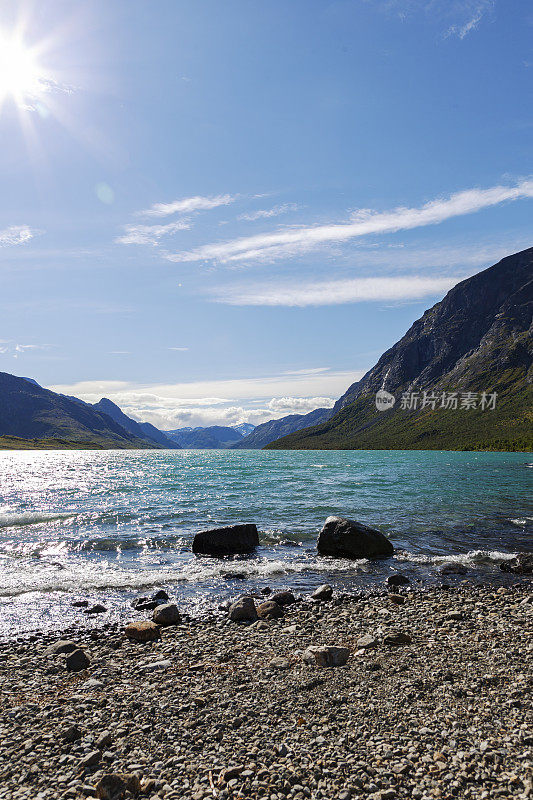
{"points": [[396, 638], [243, 609], [326, 656], [160, 596], [77, 661], [144, 604], [283, 598], [453, 568], [266, 590], [145, 631], [324, 592], [167, 614], [397, 580], [80, 604], [225, 541], [98, 608], [347, 538], [522, 564], [269, 610]]}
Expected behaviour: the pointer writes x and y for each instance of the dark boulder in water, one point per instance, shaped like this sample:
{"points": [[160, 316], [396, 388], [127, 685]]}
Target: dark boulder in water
{"points": [[521, 564], [397, 580], [226, 541], [346, 538]]}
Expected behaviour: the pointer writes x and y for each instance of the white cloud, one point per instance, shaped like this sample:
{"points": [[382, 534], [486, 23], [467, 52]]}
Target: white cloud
{"points": [[151, 234], [10, 348], [188, 205], [284, 243], [219, 402], [323, 293], [266, 213], [179, 349], [475, 11], [17, 234]]}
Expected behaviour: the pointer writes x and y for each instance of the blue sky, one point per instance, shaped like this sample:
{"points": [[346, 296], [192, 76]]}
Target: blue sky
{"points": [[218, 212]]}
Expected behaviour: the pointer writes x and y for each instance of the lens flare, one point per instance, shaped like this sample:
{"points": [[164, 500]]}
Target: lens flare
{"points": [[22, 79]]}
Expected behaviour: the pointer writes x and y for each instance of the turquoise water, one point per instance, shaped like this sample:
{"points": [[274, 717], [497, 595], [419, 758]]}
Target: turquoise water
{"points": [[110, 525]]}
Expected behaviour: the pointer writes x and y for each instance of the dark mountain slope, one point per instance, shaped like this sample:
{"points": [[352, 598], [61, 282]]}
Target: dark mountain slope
{"points": [[275, 428], [28, 411], [142, 430], [477, 339]]}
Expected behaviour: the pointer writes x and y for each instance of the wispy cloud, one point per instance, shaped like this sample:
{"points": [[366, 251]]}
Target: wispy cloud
{"points": [[324, 293], [188, 205], [461, 16], [295, 241], [17, 234], [8, 347], [475, 11], [179, 349], [267, 213], [151, 234]]}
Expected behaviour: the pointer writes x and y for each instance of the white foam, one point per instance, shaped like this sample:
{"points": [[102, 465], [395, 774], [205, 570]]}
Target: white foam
{"points": [[469, 559], [12, 520]]}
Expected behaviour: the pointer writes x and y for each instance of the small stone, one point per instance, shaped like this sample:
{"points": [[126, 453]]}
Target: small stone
{"points": [[161, 596], [453, 568], [327, 656], [269, 610], [229, 774], [104, 740], [398, 599], [324, 592], [366, 641], [397, 638], [243, 609], [60, 647], [167, 614], [154, 666], [111, 787], [266, 590], [397, 580], [91, 759], [283, 598], [280, 663], [71, 734], [80, 604], [77, 660], [145, 631]]}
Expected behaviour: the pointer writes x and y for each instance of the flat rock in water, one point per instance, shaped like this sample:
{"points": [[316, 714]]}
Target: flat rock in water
{"points": [[269, 610], [346, 538], [521, 564], [243, 609], [324, 592], [453, 568], [226, 541], [167, 614], [327, 656], [145, 631]]}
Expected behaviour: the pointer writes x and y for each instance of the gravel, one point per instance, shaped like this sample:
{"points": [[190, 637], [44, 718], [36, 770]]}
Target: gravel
{"points": [[434, 701]]}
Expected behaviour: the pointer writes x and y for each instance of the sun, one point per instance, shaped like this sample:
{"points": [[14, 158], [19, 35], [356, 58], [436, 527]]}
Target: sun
{"points": [[22, 79]]}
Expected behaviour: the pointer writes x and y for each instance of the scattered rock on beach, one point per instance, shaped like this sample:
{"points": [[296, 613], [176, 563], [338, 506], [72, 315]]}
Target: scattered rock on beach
{"points": [[145, 631], [521, 564], [396, 638], [91, 759], [61, 647], [324, 592], [346, 538], [327, 656], [269, 610], [167, 614], [226, 541], [71, 733], [243, 610], [77, 660], [366, 641], [397, 599], [283, 598]]}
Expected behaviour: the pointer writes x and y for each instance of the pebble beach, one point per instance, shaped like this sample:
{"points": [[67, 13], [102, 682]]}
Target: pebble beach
{"points": [[433, 701]]}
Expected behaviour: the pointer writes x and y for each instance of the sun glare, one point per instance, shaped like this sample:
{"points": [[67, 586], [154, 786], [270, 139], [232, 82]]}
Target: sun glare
{"points": [[22, 79]]}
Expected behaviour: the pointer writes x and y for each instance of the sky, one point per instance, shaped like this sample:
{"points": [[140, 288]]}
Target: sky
{"points": [[214, 212]]}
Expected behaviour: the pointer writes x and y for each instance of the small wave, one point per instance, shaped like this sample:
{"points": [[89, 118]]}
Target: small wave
{"points": [[470, 559], [522, 522], [14, 520]]}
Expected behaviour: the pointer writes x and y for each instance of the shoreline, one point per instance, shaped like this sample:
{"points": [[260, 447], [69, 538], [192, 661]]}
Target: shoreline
{"points": [[444, 715]]}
